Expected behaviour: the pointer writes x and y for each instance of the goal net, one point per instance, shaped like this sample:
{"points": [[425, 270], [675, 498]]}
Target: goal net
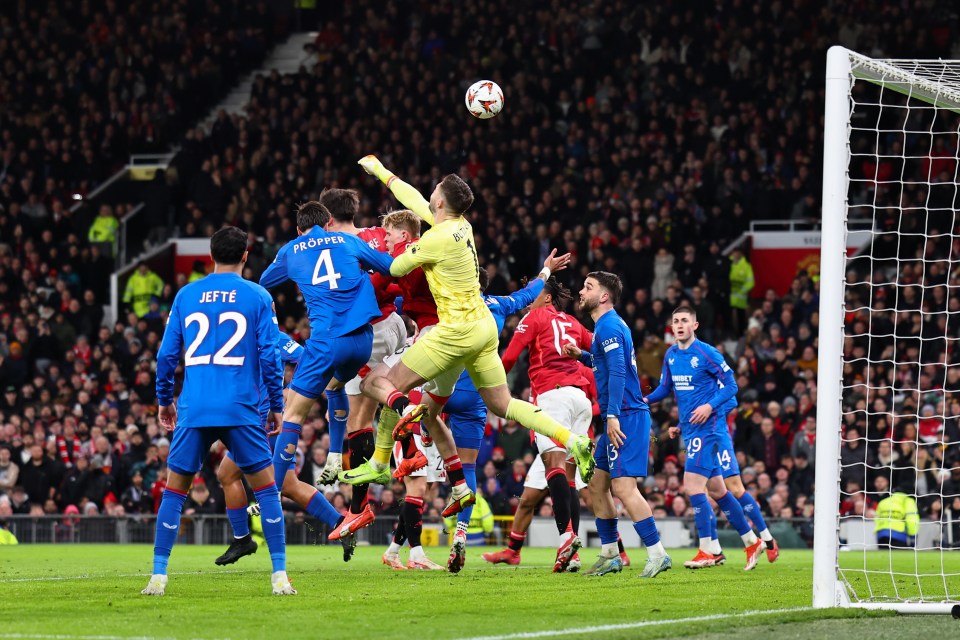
{"points": [[887, 523]]}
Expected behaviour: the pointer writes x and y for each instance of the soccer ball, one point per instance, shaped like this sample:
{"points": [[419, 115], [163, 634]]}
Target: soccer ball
{"points": [[484, 99]]}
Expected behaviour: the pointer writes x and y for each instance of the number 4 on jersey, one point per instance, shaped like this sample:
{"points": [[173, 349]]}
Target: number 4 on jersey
{"points": [[326, 262]]}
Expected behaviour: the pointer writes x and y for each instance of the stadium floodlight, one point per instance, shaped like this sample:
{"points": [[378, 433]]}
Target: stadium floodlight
{"points": [[888, 362]]}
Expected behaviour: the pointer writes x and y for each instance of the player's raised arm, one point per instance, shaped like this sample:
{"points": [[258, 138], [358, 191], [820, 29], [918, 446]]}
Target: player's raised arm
{"points": [[521, 339], [379, 261], [407, 194], [276, 272], [268, 335], [666, 384], [168, 356]]}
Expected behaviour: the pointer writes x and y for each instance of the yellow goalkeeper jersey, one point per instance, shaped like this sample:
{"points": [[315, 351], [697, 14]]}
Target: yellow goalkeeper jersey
{"points": [[448, 256]]}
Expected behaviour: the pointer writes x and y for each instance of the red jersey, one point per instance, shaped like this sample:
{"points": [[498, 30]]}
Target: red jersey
{"points": [[544, 331], [418, 303], [383, 286]]}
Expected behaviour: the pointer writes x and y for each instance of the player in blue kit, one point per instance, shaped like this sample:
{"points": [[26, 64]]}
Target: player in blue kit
{"points": [[230, 332], [467, 414], [706, 391], [622, 451], [330, 269]]}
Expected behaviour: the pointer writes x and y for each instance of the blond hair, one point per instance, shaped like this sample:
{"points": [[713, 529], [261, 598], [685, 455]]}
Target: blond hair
{"points": [[404, 220]]}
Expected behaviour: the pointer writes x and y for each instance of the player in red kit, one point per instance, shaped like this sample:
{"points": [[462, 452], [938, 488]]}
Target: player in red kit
{"points": [[351, 414], [559, 389]]}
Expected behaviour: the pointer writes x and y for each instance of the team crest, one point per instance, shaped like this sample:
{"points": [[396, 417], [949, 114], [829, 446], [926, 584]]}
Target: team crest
{"points": [[694, 362], [670, 360]]}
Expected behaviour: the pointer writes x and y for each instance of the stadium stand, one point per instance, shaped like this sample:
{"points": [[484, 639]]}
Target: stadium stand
{"points": [[709, 118]]}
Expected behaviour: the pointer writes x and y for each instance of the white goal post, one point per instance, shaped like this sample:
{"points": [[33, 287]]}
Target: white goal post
{"points": [[886, 122]]}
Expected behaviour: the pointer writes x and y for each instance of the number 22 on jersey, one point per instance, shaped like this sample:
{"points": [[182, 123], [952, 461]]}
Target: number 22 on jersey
{"points": [[220, 357]]}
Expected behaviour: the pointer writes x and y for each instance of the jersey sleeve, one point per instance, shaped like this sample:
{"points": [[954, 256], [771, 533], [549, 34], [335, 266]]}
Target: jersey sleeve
{"points": [[584, 338], [425, 251], [724, 374], [379, 261], [666, 383], [290, 350], [410, 198], [268, 334], [521, 339], [522, 298], [612, 347], [168, 355], [276, 271]]}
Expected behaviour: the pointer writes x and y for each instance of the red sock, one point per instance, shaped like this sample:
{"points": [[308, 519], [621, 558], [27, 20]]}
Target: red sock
{"points": [[454, 470], [515, 541]]}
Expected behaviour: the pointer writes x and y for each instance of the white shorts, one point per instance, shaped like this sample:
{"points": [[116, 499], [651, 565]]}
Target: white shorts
{"points": [[537, 477], [570, 407], [434, 471], [389, 335]]}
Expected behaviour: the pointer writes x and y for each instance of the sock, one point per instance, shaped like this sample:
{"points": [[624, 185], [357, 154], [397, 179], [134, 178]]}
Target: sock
{"points": [[647, 530], [574, 508], [534, 418], [620, 548], [560, 492], [734, 512], [400, 533], [413, 520], [398, 402], [416, 553], [607, 528], [713, 528], [409, 447], [470, 474], [285, 451], [168, 525], [271, 518], [516, 540], [321, 509], [455, 470], [384, 445], [361, 445], [394, 548], [701, 506], [338, 408], [239, 521], [752, 510]]}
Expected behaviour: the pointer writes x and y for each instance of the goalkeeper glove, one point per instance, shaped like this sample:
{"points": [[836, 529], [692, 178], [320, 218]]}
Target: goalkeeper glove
{"points": [[372, 165]]}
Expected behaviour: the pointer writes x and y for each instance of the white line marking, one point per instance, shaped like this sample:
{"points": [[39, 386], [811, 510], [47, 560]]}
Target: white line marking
{"points": [[634, 625], [62, 637], [123, 575]]}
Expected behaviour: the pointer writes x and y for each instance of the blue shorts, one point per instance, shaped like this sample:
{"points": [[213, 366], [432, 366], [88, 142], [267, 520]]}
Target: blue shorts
{"points": [[710, 450], [327, 358], [271, 441], [466, 417], [247, 445], [630, 460]]}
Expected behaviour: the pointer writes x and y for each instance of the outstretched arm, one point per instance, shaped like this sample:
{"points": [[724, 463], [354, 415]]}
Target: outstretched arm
{"points": [[407, 194]]}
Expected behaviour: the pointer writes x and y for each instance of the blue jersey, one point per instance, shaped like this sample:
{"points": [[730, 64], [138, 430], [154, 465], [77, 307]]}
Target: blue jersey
{"points": [[502, 307], [614, 365], [230, 332], [697, 375], [289, 351], [330, 269]]}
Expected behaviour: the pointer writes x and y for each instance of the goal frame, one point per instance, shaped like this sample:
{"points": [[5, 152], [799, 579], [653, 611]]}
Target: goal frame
{"points": [[844, 66]]}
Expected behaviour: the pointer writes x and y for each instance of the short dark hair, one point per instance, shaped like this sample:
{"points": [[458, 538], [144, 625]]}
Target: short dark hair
{"points": [[228, 245], [312, 214], [484, 277], [560, 296], [343, 204], [609, 281], [456, 193], [684, 309]]}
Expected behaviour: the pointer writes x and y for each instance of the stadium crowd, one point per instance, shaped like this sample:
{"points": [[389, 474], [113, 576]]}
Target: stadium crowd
{"points": [[697, 123]]}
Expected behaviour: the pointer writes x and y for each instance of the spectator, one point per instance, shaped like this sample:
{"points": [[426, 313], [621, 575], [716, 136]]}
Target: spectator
{"points": [[142, 285], [741, 284], [805, 442], [103, 231], [9, 472], [767, 445]]}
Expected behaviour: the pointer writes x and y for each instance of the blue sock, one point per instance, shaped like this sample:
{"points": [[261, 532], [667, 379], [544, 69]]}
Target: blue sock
{"points": [[321, 509], [168, 525], [285, 451], [701, 514], [238, 520], [734, 512], [647, 530], [271, 517], [470, 473], [607, 528], [713, 523], [339, 408], [752, 510]]}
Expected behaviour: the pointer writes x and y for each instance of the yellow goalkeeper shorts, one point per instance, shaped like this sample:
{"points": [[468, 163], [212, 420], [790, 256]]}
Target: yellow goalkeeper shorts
{"points": [[447, 349]]}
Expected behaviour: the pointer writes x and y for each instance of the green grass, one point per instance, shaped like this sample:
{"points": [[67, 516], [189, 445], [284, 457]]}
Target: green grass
{"points": [[93, 590]]}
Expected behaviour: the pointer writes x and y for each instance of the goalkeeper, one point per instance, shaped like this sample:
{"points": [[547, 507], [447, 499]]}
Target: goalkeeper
{"points": [[465, 337]]}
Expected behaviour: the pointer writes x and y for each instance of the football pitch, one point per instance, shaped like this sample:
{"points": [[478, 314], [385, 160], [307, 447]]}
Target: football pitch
{"points": [[93, 591]]}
